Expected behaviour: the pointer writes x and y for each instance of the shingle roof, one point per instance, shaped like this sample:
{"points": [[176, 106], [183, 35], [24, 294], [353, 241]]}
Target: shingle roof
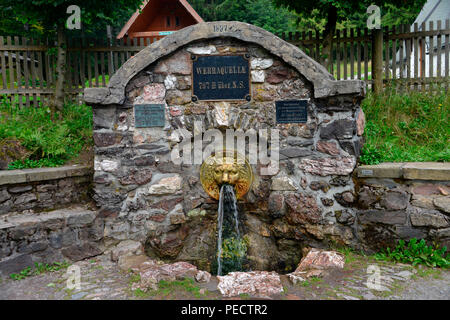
{"points": [[145, 3]]}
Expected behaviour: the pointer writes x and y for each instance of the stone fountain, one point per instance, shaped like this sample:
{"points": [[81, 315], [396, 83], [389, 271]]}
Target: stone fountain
{"points": [[196, 85]]}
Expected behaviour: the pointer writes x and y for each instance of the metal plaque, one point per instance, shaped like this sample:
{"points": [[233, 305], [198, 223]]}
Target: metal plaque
{"points": [[149, 115], [220, 78], [292, 111]]}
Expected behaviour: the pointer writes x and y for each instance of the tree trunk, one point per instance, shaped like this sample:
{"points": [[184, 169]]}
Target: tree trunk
{"points": [[330, 28], [377, 60], [57, 102]]}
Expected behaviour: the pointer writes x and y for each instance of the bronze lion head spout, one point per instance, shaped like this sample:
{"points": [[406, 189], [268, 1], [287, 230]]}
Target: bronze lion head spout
{"points": [[227, 167]]}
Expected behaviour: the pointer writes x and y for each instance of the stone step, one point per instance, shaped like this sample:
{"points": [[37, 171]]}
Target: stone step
{"points": [[47, 237], [73, 217]]}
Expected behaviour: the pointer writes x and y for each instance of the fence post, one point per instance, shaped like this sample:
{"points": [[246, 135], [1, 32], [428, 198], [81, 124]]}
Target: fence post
{"points": [[377, 60]]}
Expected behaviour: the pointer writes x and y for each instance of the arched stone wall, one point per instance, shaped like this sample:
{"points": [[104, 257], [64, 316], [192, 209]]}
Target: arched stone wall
{"points": [[143, 196]]}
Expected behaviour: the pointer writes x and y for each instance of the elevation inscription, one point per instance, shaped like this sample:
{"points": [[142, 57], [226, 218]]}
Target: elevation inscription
{"points": [[220, 78]]}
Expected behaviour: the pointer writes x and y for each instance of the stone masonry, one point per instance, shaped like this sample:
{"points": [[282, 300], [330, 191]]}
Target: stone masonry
{"points": [[403, 201], [32, 231], [44, 188], [146, 202], [143, 196], [61, 235]]}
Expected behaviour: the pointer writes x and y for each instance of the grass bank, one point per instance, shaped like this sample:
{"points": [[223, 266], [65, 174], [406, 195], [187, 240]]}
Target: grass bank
{"points": [[29, 138], [411, 126]]}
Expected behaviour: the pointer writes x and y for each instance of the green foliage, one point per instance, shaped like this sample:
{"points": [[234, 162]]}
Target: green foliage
{"points": [[45, 267], [27, 272], [411, 126], [41, 163], [261, 13], [168, 288], [43, 16], [314, 14], [51, 143], [280, 16], [416, 252], [100, 80], [371, 155], [39, 268], [305, 283], [234, 251], [315, 280], [135, 278], [234, 248]]}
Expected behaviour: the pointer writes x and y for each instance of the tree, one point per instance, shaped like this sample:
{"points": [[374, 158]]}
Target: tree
{"points": [[51, 17], [261, 13], [339, 10]]}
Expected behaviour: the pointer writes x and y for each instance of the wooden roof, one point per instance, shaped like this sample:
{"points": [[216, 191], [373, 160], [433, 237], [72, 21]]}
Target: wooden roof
{"points": [[147, 4]]}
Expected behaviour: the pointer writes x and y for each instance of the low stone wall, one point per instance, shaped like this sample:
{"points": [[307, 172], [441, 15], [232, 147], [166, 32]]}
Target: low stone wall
{"points": [[390, 201], [402, 201], [44, 188], [67, 234], [27, 236]]}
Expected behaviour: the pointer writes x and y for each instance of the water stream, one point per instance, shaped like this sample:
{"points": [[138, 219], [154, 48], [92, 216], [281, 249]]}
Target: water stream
{"points": [[228, 230]]}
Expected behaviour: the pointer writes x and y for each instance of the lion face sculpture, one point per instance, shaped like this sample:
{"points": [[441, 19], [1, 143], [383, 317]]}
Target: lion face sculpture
{"points": [[227, 167]]}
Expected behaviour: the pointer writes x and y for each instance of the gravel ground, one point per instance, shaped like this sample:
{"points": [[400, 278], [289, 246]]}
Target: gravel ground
{"points": [[101, 279]]}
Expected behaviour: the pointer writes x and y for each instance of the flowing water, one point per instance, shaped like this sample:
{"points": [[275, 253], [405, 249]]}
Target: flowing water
{"points": [[228, 231]]}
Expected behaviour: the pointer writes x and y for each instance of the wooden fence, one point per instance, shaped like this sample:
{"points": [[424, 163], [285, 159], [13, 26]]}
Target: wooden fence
{"points": [[27, 66], [414, 58]]}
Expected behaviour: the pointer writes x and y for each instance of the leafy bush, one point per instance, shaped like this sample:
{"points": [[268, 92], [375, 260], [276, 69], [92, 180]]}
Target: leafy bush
{"points": [[50, 142], [411, 126], [416, 252]]}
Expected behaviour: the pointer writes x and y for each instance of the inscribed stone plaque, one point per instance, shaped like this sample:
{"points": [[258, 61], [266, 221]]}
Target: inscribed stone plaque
{"points": [[292, 111], [149, 115], [220, 78]]}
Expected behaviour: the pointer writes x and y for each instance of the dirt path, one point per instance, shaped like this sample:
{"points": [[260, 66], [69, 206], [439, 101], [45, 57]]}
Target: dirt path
{"points": [[101, 279]]}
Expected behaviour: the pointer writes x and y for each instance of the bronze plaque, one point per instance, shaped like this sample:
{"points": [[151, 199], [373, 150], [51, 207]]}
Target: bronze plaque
{"points": [[220, 78], [149, 115], [292, 111]]}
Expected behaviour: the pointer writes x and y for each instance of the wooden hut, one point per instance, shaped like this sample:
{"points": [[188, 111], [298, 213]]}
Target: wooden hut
{"points": [[158, 18]]}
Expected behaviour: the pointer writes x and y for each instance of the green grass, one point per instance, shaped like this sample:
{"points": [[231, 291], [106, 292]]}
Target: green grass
{"points": [[167, 289], [99, 82], [406, 127], [39, 268], [305, 283], [50, 142], [355, 69]]}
